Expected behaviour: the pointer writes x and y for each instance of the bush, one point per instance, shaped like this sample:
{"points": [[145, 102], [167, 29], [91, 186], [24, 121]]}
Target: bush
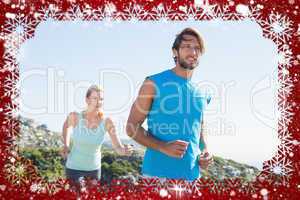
{"points": [[50, 164]]}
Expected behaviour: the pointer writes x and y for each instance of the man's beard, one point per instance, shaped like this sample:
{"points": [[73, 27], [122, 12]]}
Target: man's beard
{"points": [[185, 65]]}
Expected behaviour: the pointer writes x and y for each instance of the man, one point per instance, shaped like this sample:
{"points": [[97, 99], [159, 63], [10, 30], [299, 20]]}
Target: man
{"points": [[174, 110]]}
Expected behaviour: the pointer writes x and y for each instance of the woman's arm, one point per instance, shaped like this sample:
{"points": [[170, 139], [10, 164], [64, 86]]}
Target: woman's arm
{"points": [[69, 123], [116, 143]]}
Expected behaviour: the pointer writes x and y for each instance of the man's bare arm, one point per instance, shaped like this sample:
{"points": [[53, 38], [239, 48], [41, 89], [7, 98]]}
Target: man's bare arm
{"points": [[203, 136], [138, 114], [205, 157]]}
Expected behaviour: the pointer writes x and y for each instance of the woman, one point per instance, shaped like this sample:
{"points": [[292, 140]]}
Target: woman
{"points": [[83, 135]]}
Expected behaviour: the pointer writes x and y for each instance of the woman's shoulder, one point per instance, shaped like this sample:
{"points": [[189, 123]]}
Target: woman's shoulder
{"points": [[73, 114], [73, 117], [108, 122]]}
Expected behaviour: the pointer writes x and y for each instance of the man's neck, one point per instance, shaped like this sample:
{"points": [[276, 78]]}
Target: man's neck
{"points": [[187, 74]]}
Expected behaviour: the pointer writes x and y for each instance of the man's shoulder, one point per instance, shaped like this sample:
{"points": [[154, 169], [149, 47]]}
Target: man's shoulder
{"points": [[158, 75]]}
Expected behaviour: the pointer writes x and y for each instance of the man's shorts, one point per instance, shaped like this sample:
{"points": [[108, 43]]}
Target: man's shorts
{"points": [[161, 180]]}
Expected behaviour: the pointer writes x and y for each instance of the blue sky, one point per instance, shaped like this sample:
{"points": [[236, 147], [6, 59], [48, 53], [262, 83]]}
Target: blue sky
{"points": [[239, 68]]}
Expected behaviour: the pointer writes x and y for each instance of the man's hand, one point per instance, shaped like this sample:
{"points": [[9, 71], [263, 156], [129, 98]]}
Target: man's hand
{"points": [[205, 159], [175, 148]]}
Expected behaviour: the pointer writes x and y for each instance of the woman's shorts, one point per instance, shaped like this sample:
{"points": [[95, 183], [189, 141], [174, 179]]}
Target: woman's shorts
{"points": [[77, 175]]}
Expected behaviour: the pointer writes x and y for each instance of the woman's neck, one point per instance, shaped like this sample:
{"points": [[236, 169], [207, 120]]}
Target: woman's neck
{"points": [[91, 112]]}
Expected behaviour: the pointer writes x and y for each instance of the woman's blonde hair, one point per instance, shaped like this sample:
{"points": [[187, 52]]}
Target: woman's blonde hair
{"points": [[92, 88]]}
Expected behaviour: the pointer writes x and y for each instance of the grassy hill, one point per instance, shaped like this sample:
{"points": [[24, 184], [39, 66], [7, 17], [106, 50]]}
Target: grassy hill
{"points": [[42, 146]]}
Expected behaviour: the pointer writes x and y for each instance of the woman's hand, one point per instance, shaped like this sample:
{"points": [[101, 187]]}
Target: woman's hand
{"points": [[205, 159], [126, 150], [65, 152]]}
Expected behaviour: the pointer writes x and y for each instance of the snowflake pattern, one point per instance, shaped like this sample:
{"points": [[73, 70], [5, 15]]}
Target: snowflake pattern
{"points": [[19, 170], [12, 44], [198, 185], [178, 188], [48, 12], [74, 13], [9, 61], [285, 86], [279, 168], [284, 57], [11, 111], [133, 13], [285, 113], [37, 187], [223, 13], [278, 28], [20, 25], [154, 183], [53, 187], [11, 86], [286, 142], [98, 13], [12, 125], [255, 13], [206, 11]]}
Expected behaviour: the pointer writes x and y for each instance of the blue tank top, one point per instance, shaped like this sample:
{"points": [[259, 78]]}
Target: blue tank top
{"points": [[176, 114], [86, 144]]}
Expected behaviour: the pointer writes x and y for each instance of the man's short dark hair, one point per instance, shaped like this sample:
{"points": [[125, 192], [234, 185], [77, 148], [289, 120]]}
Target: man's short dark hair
{"points": [[188, 31]]}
